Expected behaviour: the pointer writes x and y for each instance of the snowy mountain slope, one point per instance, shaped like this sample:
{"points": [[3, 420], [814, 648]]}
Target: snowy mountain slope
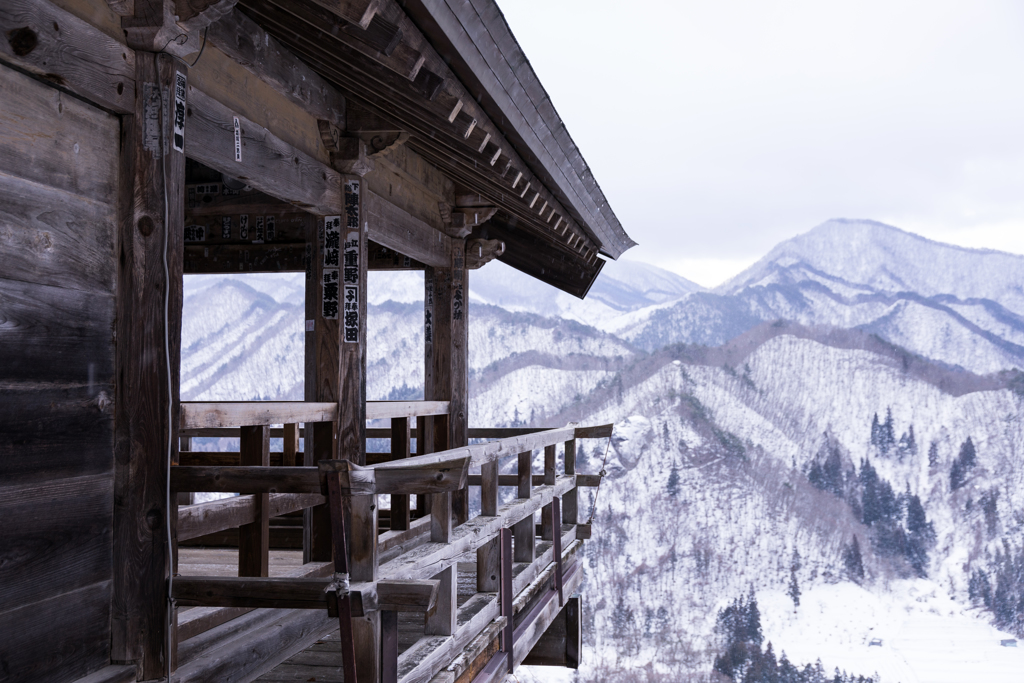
{"points": [[962, 307], [887, 259], [740, 441]]}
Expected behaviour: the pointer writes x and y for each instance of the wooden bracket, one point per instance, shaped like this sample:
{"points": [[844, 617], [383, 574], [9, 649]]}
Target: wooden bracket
{"points": [[480, 252], [348, 154]]}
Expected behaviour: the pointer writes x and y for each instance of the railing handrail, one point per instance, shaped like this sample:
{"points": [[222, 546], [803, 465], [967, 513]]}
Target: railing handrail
{"points": [[381, 410], [220, 414]]}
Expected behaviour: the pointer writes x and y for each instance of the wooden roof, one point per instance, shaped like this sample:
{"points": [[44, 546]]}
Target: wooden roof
{"points": [[451, 75]]}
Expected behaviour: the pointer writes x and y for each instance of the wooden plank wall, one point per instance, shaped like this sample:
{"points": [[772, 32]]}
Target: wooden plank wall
{"points": [[58, 218]]}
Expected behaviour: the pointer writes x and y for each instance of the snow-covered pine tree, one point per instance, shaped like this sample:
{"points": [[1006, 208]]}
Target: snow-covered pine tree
{"points": [[853, 562]]}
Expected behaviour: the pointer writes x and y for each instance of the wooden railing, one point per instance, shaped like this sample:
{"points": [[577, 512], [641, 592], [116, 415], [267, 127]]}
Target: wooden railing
{"points": [[413, 565]]}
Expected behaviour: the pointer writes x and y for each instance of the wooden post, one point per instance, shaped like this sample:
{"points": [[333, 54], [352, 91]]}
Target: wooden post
{"points": [[505, 597], [151, 207], [571, 500], [399, 449], [291, 446], [323, 377], [488, 555], [254, 538], [549, 465], [446, 348], [524, 530], [442, 621], [458, 414], [347, 251], [388, 646], [424, 445]]}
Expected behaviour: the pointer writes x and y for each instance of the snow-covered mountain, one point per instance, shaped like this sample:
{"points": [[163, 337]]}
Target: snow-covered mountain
{"points": [[959, 306], [827, 394]]}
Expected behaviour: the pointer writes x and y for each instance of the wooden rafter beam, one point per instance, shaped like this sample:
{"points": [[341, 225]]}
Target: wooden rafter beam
{"points": [[434, 121]]}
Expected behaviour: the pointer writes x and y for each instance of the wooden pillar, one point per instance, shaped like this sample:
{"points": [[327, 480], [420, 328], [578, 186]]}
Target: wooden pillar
{"points": [[524, 530], [351, 442], [446, 346], [399, 450], [254, 538], [323, 376], [151, 218]]}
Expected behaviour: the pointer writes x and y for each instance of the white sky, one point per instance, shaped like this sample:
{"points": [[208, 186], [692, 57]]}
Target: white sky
{"points": [[718, 128]]}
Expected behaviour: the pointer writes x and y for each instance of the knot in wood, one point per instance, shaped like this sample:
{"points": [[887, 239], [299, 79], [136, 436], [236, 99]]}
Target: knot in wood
{"points": [[146, 226], [23, 40]]}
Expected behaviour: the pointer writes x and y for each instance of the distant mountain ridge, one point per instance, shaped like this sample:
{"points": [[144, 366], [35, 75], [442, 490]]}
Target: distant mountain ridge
{"points": [[959, 306]]}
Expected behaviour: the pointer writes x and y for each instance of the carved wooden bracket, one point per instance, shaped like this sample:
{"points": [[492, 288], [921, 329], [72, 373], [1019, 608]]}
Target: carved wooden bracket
{"points": [[348, 154], [481, 251]]}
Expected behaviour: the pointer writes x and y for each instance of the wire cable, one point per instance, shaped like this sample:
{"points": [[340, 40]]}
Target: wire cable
{"points": [[602, 474]]}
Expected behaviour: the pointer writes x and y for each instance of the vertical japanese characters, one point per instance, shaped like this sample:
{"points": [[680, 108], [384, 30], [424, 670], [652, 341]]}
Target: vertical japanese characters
{"points": [[350, 268], [330, 282]]}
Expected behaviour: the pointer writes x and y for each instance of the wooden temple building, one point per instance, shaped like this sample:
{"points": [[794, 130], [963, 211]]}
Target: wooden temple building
{"points": [[144, 140]]}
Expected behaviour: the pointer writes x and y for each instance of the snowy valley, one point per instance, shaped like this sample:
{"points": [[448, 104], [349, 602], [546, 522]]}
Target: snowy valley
{"points": [[839, 426]]}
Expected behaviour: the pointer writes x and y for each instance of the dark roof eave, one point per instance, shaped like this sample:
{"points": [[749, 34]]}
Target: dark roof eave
{"points": [[488, 63]]}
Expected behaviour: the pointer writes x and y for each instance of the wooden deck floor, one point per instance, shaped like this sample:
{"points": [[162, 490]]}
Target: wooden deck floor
{"points": [[321, 662]]}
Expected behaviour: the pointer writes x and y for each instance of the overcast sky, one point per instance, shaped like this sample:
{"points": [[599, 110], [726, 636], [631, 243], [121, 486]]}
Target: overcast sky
{"points": [[718, 129]]}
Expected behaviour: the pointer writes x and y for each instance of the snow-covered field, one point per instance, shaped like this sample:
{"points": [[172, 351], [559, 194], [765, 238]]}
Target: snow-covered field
{"points": [[925, 636]]}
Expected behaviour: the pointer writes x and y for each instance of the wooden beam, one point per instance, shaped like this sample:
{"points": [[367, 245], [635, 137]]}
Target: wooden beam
{"points": [[201, 415], [512, 480], [396, 229], [263, 160], [382, 410], [145, 419], [242, 39], [228, 513], [425, 478], [441, 621], [304, 593], [68, 52]]}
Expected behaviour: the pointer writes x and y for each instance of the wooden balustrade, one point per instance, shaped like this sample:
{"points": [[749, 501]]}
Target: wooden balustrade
{"points": [[412, 566]]}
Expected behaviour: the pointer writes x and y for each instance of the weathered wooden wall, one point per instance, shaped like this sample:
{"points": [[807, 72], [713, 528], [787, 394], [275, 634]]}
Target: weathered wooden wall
{"points": [[58, 190]]}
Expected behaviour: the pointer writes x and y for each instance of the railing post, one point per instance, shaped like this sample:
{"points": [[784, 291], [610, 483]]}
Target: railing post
{"points": [[317, 547], [399, 450], [524, 530], [254, 538], [442, 622], [365, 629], [388, 646], [289, 458], [508, 633], [424, 445], [570, 513], [487, 555], [441, 503], [549, 465]]}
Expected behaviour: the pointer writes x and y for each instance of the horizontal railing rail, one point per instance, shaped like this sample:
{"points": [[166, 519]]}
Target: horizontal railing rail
{"points": [[203, 415]]}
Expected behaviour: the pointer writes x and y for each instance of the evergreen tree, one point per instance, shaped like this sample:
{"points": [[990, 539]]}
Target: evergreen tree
{"points": [[852, 561], [979, 588], [876, 431], [793, 591], [962, 465], [908, 443], [673, 482], [887, 434], [920, 535], [933, 454]]}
